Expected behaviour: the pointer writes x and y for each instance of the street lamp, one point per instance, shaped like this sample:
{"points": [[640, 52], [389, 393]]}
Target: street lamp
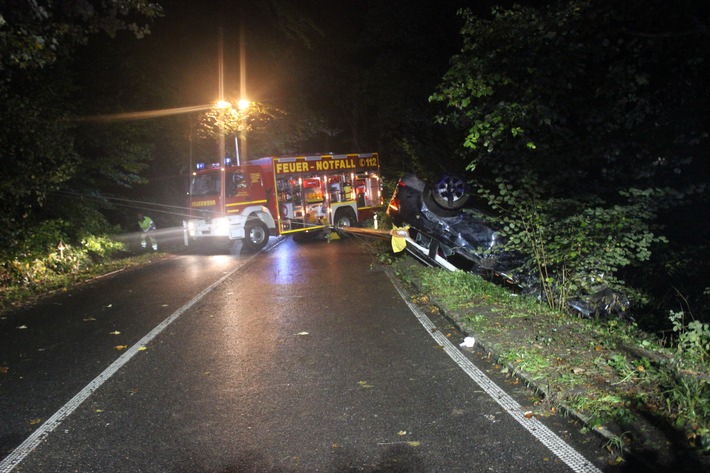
{"points": [[228, 116]]}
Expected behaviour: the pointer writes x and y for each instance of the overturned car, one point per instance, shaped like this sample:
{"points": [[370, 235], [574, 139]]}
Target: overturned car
{"points": [[448, 233]]}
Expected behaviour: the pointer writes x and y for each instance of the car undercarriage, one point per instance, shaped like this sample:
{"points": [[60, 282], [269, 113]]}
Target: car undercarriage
{"points": [[446, 231]]}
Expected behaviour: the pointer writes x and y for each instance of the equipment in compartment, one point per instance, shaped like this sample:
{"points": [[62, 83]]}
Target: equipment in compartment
{"points": [[312, 191]]}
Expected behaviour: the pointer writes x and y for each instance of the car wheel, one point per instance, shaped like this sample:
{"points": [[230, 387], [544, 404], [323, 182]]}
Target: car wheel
{"points": [[450, 192]]}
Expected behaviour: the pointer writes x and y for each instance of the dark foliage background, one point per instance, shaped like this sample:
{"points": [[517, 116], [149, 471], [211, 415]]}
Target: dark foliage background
{"points": [[589, 98]]}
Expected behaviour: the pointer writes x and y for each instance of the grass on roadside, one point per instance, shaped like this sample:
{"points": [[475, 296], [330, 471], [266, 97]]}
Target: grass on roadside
{"points": [[608, 371], [23, 279]]}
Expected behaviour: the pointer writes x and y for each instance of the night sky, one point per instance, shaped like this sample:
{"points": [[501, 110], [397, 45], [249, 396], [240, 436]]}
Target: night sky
{"points": [[183, 45]]}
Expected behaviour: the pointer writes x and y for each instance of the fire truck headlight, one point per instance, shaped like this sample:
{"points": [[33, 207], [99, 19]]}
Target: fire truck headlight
{"points": [[220, 226]]}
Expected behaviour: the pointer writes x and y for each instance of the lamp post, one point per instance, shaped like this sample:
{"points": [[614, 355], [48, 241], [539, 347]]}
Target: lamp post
{"points": [[231, 118], [225, 107], [243, 105]]}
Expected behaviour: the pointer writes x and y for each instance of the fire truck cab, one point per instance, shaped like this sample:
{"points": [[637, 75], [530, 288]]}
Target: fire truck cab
{"points": [[280, 195]]}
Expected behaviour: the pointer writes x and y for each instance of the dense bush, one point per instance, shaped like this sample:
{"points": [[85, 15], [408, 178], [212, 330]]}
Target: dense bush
{"points": [[606, 104], [577, 246], [49, 251]]}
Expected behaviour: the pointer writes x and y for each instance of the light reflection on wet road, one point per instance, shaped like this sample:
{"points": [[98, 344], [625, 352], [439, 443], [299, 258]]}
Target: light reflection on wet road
{"points": [[304, 359]]}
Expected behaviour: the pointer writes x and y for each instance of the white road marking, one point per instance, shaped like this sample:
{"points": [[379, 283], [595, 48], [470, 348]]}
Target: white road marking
{"points": [[558, 446], [26, 447], [576, 461]]}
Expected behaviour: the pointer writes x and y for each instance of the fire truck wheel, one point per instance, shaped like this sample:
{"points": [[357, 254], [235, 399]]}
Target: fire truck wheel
{"points": [[256, 235], [344, 218]]}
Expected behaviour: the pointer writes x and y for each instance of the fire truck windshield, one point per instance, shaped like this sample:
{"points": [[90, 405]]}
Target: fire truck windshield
{"points": [[206, 184]]}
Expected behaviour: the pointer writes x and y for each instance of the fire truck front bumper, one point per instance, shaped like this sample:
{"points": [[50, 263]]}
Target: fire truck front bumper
{"points": [[221, 227]]}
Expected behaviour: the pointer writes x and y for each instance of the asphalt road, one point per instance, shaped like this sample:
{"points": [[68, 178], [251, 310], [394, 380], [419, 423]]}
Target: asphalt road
{"points": [[301, 358]]}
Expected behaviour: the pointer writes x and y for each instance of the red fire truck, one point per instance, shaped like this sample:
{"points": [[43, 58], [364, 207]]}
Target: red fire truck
{"points": [[280, 195]]}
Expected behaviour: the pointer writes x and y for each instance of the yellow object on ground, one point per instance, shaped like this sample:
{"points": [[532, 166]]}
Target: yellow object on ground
{"points": [[333, 236], [399, 236]]}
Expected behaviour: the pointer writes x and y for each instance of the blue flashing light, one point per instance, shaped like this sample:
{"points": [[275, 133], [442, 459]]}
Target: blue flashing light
{"points": [[227, 161], [200, 166]]}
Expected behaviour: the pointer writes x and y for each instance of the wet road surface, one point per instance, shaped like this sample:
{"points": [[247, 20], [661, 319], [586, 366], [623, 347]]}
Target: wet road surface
{"points": [[302, 358]]}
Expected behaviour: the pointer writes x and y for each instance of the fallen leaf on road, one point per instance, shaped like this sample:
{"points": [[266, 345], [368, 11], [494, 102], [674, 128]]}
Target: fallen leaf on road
{"points": [[35, 421], [402, 433], [121, 347], [142, 348], [364, 384], [411, 443], [302, 333], [22, 327], [115, 332], [4, 369], [528, 415], [89, 319]]}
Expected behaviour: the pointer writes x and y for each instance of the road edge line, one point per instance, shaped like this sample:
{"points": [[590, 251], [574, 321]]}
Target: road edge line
{"points": [[28, 445], [565, 452]]}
